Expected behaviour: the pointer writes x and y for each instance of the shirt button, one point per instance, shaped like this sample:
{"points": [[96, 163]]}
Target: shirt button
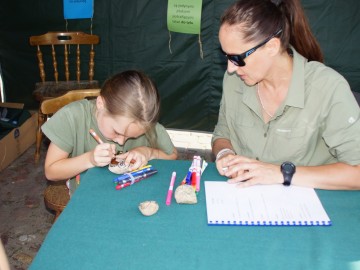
{"points": [[257, 158], [265, 134]]}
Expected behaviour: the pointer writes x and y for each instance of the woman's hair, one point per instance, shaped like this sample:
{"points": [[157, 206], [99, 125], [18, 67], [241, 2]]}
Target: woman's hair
{"points": [[260, 19], [132, 94]]}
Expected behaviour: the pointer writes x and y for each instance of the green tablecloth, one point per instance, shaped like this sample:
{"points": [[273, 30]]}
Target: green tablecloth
{"points": [[102, 228]]}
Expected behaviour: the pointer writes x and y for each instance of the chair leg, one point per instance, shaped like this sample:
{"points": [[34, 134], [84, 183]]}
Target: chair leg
{"points": [[41, 121], [57, 214]]}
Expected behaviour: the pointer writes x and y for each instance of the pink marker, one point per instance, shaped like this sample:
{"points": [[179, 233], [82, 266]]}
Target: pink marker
{"points": [[171, 187], [197, 173]]}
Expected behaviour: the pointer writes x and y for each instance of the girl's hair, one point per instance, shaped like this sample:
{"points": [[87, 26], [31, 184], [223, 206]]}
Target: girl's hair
{"points": [[260, 19], [132, 94]]}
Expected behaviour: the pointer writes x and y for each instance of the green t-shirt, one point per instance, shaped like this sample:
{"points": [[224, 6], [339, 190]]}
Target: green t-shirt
{"points": [[318, 122], [69, 130]]}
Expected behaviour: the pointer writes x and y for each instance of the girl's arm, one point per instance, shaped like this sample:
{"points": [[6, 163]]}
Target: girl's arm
{"points": [[59, 166]]}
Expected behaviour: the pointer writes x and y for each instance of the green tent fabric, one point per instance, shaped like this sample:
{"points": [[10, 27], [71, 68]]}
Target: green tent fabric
{"points": [[134, 35]]}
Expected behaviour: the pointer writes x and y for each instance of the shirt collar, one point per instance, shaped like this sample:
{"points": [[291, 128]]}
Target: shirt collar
{"points": [[296, 94]]}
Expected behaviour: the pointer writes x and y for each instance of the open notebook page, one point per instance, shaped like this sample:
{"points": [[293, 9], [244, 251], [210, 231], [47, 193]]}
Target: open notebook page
{"points": [[263, 205]]}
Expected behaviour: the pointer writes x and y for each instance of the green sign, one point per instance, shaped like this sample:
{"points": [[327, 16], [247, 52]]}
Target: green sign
{"points": [[184, 16]]}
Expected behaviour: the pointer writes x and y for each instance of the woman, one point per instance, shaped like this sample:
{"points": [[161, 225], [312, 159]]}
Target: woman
{"points": [[285, 118], [124, 116]]}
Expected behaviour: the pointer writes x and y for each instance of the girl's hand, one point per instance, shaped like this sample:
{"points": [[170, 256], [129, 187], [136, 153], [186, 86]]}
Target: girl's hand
{"points": [[247, 172], [102, 154], [136, 158]]}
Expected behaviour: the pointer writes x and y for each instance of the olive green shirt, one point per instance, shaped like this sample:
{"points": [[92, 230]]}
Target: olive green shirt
{"points": [[69, 130], [318, 122]]}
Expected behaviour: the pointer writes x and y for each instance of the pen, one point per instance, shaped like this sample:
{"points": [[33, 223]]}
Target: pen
{"points": [[141, 168], [193, 179], [137, 179], [127, 176], [197, 173], [189, 175], [188, 178], [77, 178], [95, 136], [171, 187], [204, 165]]}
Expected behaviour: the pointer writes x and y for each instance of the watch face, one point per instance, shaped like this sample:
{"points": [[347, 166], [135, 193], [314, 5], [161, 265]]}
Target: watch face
{"points": [[288, 167]]}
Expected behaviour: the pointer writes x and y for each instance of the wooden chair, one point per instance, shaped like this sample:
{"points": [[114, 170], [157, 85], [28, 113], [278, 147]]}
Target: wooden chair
{"points": [[56, 195], [62, 49]]}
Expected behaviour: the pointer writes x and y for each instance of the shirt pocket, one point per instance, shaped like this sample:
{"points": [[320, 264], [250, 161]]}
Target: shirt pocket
{"points": [[244, 135], [290, 144]]}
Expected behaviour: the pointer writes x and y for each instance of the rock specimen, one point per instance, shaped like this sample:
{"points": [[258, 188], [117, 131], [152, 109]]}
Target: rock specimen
{"points": [[185, 194], [118, 167], [148, 208]]}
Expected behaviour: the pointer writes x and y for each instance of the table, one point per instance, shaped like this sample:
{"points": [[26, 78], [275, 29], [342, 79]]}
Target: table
{"points": [[102, 228]]}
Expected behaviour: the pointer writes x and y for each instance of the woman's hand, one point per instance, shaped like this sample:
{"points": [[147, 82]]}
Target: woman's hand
{"points": [[247, 172], [222, 163], [102, 154]]}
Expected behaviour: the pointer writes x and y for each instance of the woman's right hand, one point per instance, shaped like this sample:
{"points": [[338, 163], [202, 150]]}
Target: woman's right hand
{"points": [[222, 163]]}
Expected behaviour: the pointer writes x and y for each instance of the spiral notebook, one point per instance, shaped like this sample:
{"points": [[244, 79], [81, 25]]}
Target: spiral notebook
{"points": [[263, 205]]}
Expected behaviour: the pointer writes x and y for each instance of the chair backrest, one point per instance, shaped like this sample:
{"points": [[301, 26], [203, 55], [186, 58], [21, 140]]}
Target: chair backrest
{"points": [[65, 39], [51, 106]]}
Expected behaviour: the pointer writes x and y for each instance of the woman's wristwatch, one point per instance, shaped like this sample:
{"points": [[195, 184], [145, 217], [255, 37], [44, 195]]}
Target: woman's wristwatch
{"points": [[287, 169]]}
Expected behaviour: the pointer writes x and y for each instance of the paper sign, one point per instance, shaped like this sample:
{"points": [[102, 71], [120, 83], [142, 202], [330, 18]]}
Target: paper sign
{"points": [[78, 9], [184, 16]]}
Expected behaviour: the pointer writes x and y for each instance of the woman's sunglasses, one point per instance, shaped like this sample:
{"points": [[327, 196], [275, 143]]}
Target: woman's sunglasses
{"points": [[238, 60]]}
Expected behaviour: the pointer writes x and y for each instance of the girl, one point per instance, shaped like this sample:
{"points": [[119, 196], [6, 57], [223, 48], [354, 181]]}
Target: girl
{"points": [[124, 116]]}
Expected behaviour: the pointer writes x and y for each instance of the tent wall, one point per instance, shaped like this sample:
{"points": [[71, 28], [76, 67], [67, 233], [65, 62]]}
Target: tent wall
{"points": [[134, 35]]}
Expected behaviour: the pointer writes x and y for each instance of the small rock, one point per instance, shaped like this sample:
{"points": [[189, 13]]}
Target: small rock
{"points": [[148, 208], [27, 238], [185, 194], [32, 202], [23, 258], [118, 167]]}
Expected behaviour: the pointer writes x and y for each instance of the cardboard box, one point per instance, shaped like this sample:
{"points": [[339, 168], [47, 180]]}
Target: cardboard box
{"points": [[19, 139]]}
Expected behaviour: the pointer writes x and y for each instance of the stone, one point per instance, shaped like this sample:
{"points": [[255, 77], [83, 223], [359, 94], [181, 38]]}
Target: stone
{"points": [[185, 194], [118, 167], [23, 258], [27, 238], [148, 208], [32, 202]]}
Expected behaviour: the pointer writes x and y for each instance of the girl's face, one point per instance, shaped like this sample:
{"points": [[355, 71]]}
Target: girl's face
{"points": [[256, 64], [116, 128]]}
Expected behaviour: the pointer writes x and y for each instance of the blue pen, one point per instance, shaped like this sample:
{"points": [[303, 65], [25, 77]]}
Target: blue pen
{"points": [[136, 178], [127, 176], [188, 178], [133, 173]]}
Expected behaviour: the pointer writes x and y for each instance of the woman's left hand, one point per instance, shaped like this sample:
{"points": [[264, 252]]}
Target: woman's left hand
{"points": [[246, 172]]}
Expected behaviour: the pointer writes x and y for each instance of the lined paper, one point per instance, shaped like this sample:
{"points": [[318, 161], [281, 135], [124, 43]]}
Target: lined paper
{"points": [[273, 205]]}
